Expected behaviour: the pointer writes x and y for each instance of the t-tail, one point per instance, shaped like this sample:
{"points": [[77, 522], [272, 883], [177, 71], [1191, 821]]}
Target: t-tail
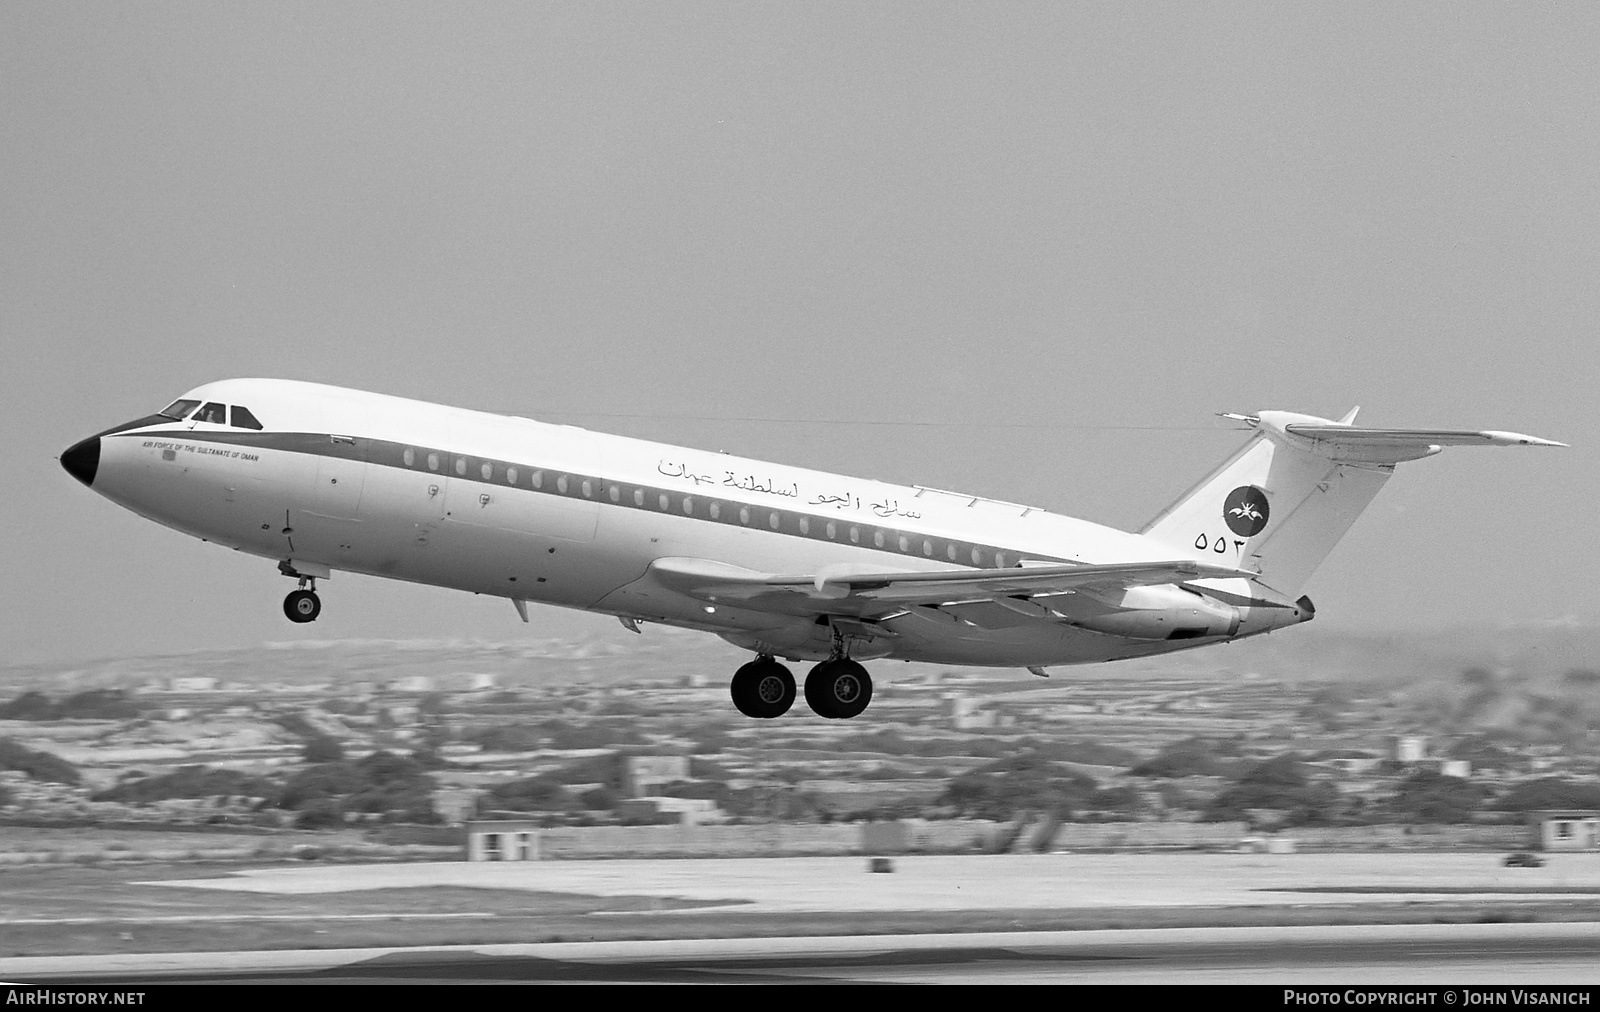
{"points": [[1279, 505]]}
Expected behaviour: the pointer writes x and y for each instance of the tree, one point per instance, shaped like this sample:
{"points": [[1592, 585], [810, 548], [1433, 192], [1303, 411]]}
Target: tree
{"points": [[322, 749], [1279, 784], [38, 765], [1188, 758], [297, 725], [1427, 796], [532, 794], [100, 704], [381, 783], [1548, 793], [1477, 676], [188, 782], [507, 738], [1022, 782], [29, 706], [1483, 753], [323, 813]]}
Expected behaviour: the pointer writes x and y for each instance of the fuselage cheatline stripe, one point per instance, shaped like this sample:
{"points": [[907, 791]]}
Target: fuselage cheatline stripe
{"points": [[897, 541]]}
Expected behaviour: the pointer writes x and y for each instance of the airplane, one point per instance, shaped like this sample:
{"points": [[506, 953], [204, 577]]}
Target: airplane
{"points": [[778, 560]]}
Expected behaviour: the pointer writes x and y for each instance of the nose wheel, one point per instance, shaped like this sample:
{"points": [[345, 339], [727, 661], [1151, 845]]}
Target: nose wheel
{"points": [[302, 606]]}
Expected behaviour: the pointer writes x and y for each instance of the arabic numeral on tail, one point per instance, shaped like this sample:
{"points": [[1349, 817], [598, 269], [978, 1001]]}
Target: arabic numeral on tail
{"points": [[1201, 542], [1220, 547]]}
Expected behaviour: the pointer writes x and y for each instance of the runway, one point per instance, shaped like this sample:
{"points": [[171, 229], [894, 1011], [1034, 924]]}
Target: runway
{"points": [[741, 920], [968, 882], [1455, 956]]}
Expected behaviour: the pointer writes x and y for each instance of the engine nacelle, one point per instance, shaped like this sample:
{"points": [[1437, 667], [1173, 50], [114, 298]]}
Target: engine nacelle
{"points": [[1158, 613]]}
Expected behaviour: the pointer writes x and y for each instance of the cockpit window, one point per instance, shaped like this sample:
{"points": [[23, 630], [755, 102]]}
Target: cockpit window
{"points": [[179, 410], [212, 412], [243, 419]]}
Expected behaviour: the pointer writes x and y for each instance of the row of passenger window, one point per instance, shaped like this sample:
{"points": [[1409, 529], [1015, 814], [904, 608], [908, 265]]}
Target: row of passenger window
{"points": [[964, 553]]}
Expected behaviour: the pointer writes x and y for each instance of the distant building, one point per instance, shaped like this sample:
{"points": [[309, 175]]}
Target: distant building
{"points": [[192, 684], [413, 683], [455, 805], [1559, 830], [503, 840], [1411, 748], [690, 811], [1455, 768], [965, 713], [885, 837], [642, 774], [1352, 764]]}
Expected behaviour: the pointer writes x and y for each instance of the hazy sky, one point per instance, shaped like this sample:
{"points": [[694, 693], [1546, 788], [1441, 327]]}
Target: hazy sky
{"points": [[1056, 236]]}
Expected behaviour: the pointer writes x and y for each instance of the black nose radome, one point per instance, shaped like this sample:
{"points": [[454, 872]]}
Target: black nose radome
{"points": [[82, 459]]}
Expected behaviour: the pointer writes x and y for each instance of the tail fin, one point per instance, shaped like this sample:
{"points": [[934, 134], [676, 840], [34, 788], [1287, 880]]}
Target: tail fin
{"points": [[1280, 504]]}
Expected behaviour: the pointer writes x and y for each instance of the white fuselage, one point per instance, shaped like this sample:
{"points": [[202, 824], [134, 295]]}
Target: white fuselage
{"points": [[339, 479]]}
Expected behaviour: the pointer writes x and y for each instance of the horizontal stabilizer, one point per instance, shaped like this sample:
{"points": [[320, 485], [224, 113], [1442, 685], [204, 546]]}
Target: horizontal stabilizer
{"points": [[1444, 437], [1391, 446]]}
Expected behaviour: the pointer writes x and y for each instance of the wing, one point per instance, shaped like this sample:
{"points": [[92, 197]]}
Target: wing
{"points": [[855, 590]]}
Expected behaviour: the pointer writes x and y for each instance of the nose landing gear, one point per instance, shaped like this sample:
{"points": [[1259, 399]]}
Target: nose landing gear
{"points": [[302, 606]]}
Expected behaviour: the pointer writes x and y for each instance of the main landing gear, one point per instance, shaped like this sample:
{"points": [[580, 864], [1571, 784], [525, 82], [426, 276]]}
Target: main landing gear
{"points": [[763, 688], [837, 689]]}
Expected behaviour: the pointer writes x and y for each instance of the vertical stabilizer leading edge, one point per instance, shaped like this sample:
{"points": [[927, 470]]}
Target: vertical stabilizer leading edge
{"points": [[1279, 505]]}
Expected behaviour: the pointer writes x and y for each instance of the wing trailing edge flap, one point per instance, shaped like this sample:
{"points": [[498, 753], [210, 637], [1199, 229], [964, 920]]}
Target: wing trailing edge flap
{"points": [[992, 596]]}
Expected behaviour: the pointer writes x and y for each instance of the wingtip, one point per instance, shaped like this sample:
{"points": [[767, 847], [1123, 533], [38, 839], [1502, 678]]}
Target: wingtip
{"points": [[1520, 439]]}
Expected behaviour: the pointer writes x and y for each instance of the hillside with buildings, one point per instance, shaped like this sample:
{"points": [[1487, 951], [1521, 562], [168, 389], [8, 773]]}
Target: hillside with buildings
{"points": [[1289, 733]]}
